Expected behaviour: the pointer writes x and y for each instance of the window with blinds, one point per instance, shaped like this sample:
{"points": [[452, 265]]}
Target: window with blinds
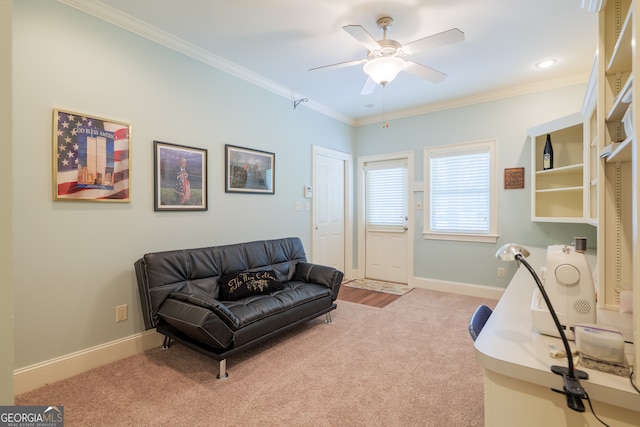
{"points": [[460, 192], [386, 195]]}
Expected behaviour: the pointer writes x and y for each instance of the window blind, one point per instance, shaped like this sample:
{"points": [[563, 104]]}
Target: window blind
{"points": [[386, 195], [460, 192]]}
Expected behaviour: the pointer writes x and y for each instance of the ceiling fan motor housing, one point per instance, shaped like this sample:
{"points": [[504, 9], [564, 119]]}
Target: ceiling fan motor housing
{"points": [[387, 48], [384, 23]]}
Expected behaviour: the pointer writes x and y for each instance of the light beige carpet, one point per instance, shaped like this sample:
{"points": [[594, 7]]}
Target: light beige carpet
{"points": [[379, 286], [410, 363]]}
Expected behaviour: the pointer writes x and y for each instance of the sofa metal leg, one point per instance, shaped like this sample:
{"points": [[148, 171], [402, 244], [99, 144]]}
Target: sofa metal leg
{"points": [[222, 373], [328, 319], [166, 343]]}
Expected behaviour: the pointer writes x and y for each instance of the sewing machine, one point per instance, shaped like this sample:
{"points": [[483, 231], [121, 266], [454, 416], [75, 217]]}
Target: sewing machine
{"points": [[568, 281]]}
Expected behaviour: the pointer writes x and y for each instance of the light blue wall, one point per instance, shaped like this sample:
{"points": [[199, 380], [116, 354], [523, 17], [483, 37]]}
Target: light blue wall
{"points": [[73, 261], [505, 121]]}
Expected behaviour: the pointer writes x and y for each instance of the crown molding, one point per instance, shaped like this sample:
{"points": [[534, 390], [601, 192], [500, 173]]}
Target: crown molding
{"points": [[143, 29], [593, 5], [479, 98], [591, 93]]}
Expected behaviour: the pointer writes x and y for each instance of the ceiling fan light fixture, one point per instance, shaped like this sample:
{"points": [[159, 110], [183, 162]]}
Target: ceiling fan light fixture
{"points": [[384, 69]]}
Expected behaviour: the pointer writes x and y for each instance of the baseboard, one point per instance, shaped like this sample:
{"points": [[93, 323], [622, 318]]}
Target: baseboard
{"points": [[50, 371], [480, 291]]}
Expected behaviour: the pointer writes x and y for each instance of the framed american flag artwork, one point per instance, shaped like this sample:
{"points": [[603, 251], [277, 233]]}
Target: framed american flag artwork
{"points": [[91, 158], [180, 177]]}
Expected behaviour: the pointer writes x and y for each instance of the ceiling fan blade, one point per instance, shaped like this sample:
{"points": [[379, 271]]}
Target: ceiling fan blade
{"points": [[363, 36], [368, 87], [453, 35], [339, 65], [424, 72]]}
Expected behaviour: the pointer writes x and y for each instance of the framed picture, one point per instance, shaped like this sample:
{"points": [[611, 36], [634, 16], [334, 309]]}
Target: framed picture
{"points": [[249, 171], [513, 178], [180, 177], [91, 158]]}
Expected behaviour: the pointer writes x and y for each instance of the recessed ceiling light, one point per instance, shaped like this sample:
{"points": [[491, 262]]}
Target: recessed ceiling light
{"points": [[546, 63]]}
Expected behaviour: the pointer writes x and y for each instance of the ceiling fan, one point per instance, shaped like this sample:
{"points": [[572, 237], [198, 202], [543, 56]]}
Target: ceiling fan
{"points": [[385, 58]]}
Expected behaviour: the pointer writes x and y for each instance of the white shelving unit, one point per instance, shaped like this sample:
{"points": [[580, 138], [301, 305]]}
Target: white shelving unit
{"points": [[558, 194], [591, 146], [618, 189], [598, 182]]}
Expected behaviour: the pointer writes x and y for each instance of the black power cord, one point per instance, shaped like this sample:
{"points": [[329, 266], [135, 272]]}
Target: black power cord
{"points": [[589, 400], [594, 412], [632, 384], [590, 405]]}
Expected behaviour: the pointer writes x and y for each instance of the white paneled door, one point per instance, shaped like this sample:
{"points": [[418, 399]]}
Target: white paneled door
{"points": [[329, 211], [386, 220]]}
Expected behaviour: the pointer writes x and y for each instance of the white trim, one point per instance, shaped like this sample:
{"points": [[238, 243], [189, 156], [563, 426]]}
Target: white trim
{"points": [[141, 28], [593, 5], [468, 289], [409, 156], [591, 94], [57, 369], [557, 124], [478, 98], [348, 202], [461, 237], [454, 150]]}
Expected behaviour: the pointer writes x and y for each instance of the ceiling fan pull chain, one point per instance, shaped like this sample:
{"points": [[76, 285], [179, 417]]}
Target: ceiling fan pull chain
{"points": [[385, 98]]}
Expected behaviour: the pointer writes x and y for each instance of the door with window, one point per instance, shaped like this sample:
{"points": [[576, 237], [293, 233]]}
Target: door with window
{"points": [[386, 220]]}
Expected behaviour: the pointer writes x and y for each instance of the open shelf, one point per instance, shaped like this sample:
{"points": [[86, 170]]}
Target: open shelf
{"points": [[558, 193], [621, 102], [622, 153], [621, 55], [557, 190]]}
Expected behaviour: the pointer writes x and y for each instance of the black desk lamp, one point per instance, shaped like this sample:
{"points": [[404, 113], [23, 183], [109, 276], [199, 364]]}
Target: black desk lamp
{"points": [[572, 388]]}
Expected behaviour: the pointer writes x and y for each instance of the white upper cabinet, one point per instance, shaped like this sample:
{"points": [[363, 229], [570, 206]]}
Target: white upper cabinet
{"points": [[560, 194]]}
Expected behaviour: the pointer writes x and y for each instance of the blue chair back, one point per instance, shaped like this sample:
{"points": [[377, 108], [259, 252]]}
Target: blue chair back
{"points": [[478, 319]]}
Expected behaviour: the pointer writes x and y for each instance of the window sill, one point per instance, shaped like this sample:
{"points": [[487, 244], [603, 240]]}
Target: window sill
{"points": [[482, 238], [386, 228]]}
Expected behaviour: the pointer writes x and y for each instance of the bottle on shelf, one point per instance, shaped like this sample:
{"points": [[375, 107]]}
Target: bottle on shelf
{"points": [[547, 154]]}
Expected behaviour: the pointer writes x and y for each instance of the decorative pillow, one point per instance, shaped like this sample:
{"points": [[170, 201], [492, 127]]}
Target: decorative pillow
{"points": [[239, 285]]}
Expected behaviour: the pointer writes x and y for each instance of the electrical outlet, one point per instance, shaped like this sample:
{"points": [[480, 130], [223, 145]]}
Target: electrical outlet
{"points": [[501, 272], [122, 313]]}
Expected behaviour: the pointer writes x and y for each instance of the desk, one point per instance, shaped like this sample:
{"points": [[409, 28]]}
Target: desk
{"points": [[518, 379]]}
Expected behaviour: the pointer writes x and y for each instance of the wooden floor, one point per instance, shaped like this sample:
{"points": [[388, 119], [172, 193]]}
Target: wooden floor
{"points": [[363, 296]]}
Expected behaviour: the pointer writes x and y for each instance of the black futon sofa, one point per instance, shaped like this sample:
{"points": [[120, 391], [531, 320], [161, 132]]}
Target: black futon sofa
{"points": [[221, 300]]}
